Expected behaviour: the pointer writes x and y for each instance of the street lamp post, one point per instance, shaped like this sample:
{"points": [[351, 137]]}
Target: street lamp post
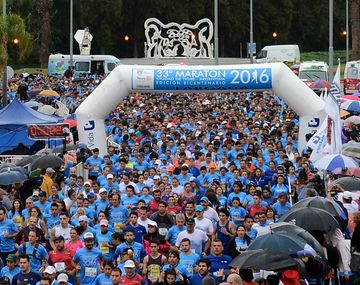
{"points": [[216, 32], [4, 77], [347, 30], [331, 46], [71, 33], [251, 32]]}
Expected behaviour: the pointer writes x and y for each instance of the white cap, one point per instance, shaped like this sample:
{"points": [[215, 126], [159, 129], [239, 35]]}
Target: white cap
{"points": [[36, 193], [88, 235], [129, 264], [109, 176], [50, 269], [50, 170], [83, 218], [157, 177], [87, 183], [102, 190], [347, 195], [62, 278], [152, 223]]}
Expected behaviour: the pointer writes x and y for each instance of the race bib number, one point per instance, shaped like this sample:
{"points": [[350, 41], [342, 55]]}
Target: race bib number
{"points": [[90, 272], [117, 227], [154, 272], [103, 248], [18, 221], [163, 231], [60, 266]]}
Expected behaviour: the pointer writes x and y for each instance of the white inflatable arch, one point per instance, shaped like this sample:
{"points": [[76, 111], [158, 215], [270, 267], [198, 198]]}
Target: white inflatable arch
{"points": [[221, 78]]}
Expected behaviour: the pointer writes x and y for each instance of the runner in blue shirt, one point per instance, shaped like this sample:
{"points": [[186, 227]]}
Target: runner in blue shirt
{"points": [[219, 261], [37, 253], [104, 278], [118, 214], [86, 260], [188, 258], [8, 230], [173, 232], [139, 230], [11, 269], [138, 249], [53, 219]]}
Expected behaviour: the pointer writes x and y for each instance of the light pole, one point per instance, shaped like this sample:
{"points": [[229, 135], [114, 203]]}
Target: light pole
{"points": [[251, 32], [216, 32], [331, 47], [4, 77], [347, 30], [71, 33]]}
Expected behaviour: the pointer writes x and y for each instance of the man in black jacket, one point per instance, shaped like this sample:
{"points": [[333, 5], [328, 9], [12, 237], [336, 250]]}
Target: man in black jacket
{"points": [[23, 235]]}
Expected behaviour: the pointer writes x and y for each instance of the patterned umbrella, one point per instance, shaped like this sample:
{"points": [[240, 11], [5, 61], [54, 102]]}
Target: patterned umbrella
{"points": [[320, 84], [351, 97], [351, 105], [330, 162]]}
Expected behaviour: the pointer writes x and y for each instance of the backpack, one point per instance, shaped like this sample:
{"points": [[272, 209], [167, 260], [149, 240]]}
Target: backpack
{"points": [[33, 255], [333, 256]]}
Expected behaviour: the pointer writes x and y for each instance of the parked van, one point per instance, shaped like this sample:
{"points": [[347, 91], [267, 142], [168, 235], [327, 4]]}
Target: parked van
{"points": [[352, 77], [311, 71], [278, 53], [83, 64]]}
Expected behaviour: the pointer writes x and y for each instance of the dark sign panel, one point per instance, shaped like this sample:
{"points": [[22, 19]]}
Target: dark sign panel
{"points": [[45, 132]]}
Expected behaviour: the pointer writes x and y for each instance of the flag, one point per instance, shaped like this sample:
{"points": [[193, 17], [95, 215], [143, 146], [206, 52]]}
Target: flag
{"points": [[333, 125], [318, 141], [335, 85]]}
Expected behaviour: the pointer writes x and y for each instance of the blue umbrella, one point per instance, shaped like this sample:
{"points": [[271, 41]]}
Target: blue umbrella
{"points": [[14, 168], [12, 177], [330, 162], [351, 105]]}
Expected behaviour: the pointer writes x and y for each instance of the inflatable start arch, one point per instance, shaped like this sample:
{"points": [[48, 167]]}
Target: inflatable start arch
{"points": [[221, 78]]}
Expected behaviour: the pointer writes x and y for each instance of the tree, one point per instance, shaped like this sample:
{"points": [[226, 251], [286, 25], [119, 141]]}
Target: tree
{"points": [[11, 27], [44, 7], [355, 28]]}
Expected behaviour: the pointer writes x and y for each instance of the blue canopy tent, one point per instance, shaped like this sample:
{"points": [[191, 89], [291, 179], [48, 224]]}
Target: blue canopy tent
{"points": [[14, 119]]}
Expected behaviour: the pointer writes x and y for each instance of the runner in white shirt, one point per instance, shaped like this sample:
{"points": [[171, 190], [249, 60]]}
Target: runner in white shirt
{"points": [[209, 212], [202, 223]]}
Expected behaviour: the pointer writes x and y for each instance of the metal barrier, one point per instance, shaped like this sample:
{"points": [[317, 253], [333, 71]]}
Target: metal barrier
{"points": [[12, 158]]}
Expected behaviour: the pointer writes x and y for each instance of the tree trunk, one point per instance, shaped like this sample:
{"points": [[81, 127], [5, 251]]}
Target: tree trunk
{"points": [[44, 7], [355, 28]]}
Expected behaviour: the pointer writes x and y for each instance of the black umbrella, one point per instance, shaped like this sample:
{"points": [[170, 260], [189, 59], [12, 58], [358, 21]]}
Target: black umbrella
{"points": [[78, 79], [265, 259], [6, 165], [321, 203], [282, 242], [14, 168], [27, 160], [68, 147], [46, 161], [12, 177], [311, 219], [34, 92], [348, 183], [296, 230]]}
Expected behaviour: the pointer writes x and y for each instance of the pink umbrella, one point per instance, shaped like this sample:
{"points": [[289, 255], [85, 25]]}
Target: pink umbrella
{"points": [[351, 97]]}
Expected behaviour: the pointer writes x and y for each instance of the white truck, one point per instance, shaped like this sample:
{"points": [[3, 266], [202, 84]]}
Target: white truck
{"points": [[278, 53], [312, 71]]}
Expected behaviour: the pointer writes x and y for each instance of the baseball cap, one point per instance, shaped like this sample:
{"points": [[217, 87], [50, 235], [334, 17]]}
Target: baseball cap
{"points": [[205, 199], [87, 183], [190, 221], [91, 195], [170, 168], [83, 218], [152, 223], [109, 176], [62, 278], [156, 177], [104, 222], [12, 257], [212, 165], [347, 195], [88, 235], [163, 157], [50, 170], [102, 190], [129, 264], [199, 208], [36, 193], [42, 194], [50, 269]]}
